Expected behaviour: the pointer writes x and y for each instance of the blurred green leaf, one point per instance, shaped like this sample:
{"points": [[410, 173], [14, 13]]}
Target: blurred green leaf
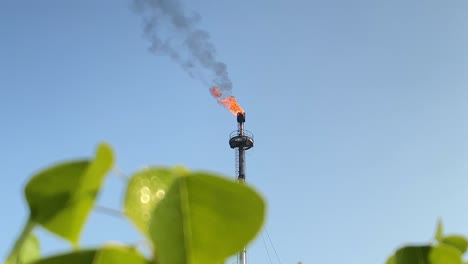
{"points": [[145, 189], [26, 246], [439, 235], [203, 219], [391, 260], [411, 255], [445, 254], [119, 255], [61, 197], [440, 254], [30, 250], [75, 257], [106, 255], [456, 241]]}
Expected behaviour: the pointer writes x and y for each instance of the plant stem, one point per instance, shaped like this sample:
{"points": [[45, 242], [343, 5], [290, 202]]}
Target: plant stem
{"points": [[28, 228], [109, 211]]}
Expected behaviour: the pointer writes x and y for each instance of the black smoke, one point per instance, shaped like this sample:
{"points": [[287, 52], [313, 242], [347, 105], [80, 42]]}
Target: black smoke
{"points": [[174, 33]]}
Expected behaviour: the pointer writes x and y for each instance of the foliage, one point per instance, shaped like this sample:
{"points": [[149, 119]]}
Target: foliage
{"points": [[185, 216], [61, 197], [445, 250]]}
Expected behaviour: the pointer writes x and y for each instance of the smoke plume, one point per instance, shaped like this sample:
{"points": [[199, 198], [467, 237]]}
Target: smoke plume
{"points": [[175, 34]]}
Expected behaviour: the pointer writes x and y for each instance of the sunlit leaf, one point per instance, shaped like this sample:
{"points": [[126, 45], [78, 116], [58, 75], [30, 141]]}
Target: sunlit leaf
{"points": [[145, 189], [411, 255], [75, 257], [203, 219], [26, 247], [456, 241], [445, 254], [391, 260], [119, 255], [61, 197], [106, 255], [30, 250], [440, 254]]}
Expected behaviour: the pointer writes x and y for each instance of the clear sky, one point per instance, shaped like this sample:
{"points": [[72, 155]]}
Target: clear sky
{"points": [[359, 111]]}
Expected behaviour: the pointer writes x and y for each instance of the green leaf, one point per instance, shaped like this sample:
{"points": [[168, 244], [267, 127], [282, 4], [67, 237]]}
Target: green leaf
{"points": [[445, 254], [391, 260], [144, 191], [106, 255], [440, 254], [30, 250], [411, 255], [456, 241], [203, 219], [119, 254], [439, 235], [75, 257], [61, 197], [24, 247]]}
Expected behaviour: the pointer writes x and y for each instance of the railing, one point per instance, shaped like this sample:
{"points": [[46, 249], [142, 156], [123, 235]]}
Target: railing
{"points": [[235, 133]]}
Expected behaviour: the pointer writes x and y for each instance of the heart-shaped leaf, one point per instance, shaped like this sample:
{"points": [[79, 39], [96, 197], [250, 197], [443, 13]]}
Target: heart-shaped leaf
{"points": [[457, 241], [411, 255], [144, 191], [203, 219], [61, 197], [26, 247], [75, 257], [106, 255], [440, 254], [445, 254], [30, 250]]}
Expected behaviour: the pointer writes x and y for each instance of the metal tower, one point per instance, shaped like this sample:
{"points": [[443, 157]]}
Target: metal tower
{"points": [[241, 140]]}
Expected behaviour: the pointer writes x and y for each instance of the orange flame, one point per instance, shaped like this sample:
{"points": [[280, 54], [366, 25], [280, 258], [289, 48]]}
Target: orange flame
{"points": [[229, 102], [215, 92]]}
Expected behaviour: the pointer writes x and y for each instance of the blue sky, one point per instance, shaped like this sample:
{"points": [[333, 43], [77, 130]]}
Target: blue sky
{"points": [[358, 110]]}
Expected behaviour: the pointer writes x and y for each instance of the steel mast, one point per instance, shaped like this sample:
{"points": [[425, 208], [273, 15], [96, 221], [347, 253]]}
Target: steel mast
{"points": [[241, 140]]}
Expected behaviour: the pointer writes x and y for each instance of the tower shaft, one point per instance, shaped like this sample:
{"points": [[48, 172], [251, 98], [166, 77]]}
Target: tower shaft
{"points": [[241, 140]]}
